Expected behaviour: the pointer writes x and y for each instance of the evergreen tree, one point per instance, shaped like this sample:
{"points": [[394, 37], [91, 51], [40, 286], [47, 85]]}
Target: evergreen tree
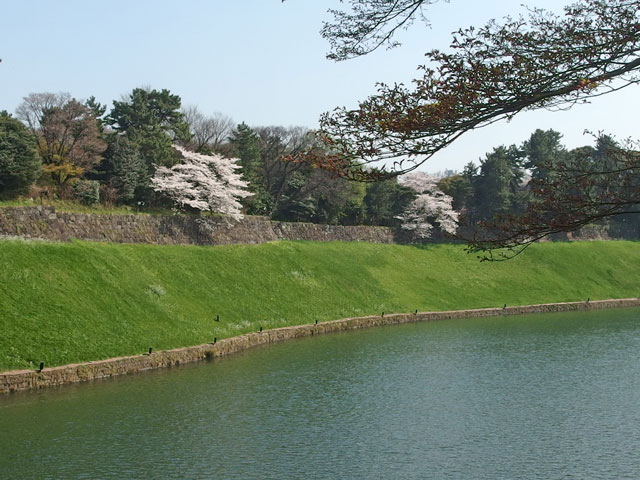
{"points": [[385, 201], [20, 165], [496, 188], [246, 146], [151, 120], [542, 151], [125, 170], [460, 187]]}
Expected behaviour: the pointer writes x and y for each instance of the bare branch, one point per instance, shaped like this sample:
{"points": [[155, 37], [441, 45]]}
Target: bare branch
{"points": [[370, 24]]}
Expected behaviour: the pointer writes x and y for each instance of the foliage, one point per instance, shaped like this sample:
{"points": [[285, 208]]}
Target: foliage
{"points": [[460, 188], [542, 148], [124, 169], [297, 192], [431, 208], [203, 182], [581, 187], [493, 73], [123, 311], [286, 190], [245, 145], [353, 210], [19, 162], [87, 192], [498, 188], [97, 110], [141, 126], [72, 206], [151, 120], [68, 134], [286, 183], [69, 141], [385, 201]]}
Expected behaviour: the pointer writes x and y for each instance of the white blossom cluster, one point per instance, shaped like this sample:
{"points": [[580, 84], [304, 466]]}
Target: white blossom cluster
{"points": [[203, 182], [431, 206]]}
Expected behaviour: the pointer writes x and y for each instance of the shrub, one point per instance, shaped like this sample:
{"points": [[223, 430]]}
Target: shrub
{"points": [[86, 192]]}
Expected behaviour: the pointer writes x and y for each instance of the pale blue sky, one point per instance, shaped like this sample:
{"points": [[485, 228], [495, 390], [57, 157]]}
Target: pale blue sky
{"points": [[258, 61]]}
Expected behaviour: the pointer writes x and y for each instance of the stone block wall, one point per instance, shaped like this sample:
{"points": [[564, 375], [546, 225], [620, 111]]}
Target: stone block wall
{"points": [[46, 223]]}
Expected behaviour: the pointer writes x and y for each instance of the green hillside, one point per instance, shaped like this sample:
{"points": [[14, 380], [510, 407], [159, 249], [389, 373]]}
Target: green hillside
{"points": [[69, 302]]}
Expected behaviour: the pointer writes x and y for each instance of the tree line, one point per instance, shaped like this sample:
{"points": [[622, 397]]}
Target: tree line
{"points": [[519, 194], [489, 73], [58, 147], [148, 150]]}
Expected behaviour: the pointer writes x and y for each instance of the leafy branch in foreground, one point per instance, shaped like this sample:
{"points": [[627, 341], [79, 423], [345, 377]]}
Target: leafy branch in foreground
{"points": [[493, 73]]}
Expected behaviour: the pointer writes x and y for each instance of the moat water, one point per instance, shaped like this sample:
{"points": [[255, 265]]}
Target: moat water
{"points": [[540, 396]]}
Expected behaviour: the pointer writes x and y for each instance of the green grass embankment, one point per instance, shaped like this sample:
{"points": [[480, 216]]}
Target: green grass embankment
{"points": [[71, 302], [71, 206]]}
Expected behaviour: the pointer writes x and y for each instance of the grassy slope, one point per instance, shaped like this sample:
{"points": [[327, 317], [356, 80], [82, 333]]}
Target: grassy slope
{"points": [[70, 206], [67, 206], [68, 302]]}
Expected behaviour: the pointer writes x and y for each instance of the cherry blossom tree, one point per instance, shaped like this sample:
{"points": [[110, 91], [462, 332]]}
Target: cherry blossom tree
{"points": [[203, 182], [431, 208]]}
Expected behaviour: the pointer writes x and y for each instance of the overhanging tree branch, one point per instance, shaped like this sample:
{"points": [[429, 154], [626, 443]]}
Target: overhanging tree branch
{"points": [[493, 73], [369, 25]]}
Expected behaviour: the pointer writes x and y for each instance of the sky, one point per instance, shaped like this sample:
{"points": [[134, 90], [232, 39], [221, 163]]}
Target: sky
{"points": [[261, 62]]}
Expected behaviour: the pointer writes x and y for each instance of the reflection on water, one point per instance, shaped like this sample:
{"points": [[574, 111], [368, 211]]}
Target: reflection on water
{"points": [[554, 396]]}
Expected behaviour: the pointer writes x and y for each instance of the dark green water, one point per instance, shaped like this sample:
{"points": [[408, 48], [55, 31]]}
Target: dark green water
{"points": [[554, 396]]}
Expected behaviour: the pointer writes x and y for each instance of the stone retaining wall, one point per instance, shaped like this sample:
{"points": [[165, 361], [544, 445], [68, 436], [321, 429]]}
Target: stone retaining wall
{"points": [[29, 379], [46, 223]]}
